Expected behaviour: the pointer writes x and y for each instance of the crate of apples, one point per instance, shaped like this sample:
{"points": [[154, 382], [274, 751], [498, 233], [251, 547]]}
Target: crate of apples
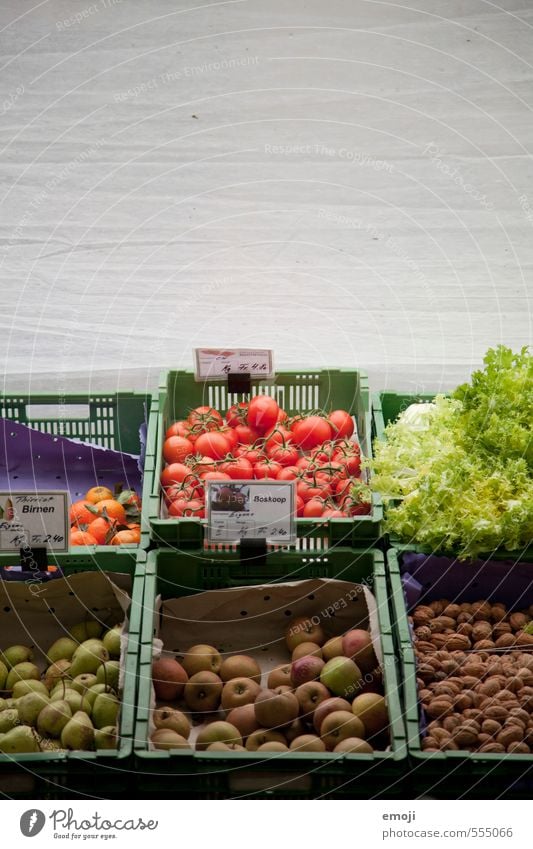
{"points": [[106, 518], [327, 697], [258, 440]]}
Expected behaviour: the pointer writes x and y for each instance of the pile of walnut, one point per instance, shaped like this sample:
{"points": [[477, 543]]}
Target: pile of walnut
{"points": [[475, 697]]}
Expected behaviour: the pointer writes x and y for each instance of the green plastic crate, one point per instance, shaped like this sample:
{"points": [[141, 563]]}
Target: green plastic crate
{"points": [[295, 775], [433, 771], [102, 773], [296, 392], [387, 406], [111, 420]]}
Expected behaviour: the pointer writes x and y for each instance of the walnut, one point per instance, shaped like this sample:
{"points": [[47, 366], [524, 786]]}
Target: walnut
{"points": [[452, 610], [440, 706], [481, 631], [464, 735], [517, 621], [518, 749], [422, 615], [510, 734]]}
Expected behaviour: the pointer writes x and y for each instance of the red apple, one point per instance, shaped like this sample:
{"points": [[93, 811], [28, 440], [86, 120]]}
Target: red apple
{"points": [[304, 629], [244, 719], [279, 675], [304, 649], [169, 678], [357, 645], [239, 691], [333, 648], [305, 669], [240, 666], [328, 706], [274, 710], [338, 726], [310, 695]]}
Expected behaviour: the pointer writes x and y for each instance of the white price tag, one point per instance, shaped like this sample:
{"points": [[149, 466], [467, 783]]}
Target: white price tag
{"points": [[255, 509], [34, 519], [217, 363]]}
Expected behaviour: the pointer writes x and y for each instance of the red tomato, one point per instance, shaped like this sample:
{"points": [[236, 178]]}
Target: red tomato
{"points": [[262, 412], [239, 469], [299, 506], [214, 476], [207, 417], [282, 416], [236, 414], [229, 434], [286, 456], [342, 424], [355, 508], [342, 488], [330, 513], [278, 434], [303, 463], [204, 464], [175, 473], [289, 473], [212, 444], [254, 455], [187, 507], [267, 469], [311, 431], [247, 435], [313, 508], [176, 449], [178, 429]]}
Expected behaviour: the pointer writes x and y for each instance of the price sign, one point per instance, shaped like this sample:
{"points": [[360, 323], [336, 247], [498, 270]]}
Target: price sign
{"points": [[217, 363], [34, 520], [239, 510]]}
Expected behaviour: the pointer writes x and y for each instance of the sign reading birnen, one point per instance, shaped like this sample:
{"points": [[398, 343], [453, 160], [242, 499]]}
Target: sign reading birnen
{"points": [[249, 509], [34, 519]]}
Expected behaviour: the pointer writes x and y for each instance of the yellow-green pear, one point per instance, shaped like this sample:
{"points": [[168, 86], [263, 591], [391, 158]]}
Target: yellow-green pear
{"points": [[55, 672], [29, 685], [10, 703], [71, 697], [105, 710], [16, 654], [62, 649], [19, 740], [47, 744], [111, 641], [82, 682], [53, 718], [91, 694], [30, 706], [21, 672], [3, 675], [86, 630], [3, 705], [108, 673], [8, 719], [106, 737], [78, 733], [88, 657]]}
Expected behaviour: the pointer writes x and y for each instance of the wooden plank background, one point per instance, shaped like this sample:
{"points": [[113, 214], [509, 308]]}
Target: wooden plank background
{"points": [[347, 182]]}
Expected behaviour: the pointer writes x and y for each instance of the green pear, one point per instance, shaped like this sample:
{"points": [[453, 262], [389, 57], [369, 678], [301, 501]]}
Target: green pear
{"points": [[78, 733], [56, 671], [20, 672], [30, 706], [10, 703], [29, 685], [88, 657], [91, 694], [82, 682], [106, 737], [8, 720], [3, 705], [53, 718], [85, 630], [105, 710], [108, 673], [16, 654], [19, 740], [3, 675], [111, 641], [72, 698], [62, 649]]}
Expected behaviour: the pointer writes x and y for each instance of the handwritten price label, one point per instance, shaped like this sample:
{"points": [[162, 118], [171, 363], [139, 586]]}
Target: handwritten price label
{"points": [[34, 519], [217, 363]]}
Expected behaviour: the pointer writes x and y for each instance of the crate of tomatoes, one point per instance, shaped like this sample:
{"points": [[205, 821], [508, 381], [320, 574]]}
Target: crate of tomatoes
{"points": [[312, 427], [91, 446]]}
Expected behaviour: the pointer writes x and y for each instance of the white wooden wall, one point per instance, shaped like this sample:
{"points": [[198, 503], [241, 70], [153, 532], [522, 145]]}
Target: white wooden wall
{"points": [[349, 182]]}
